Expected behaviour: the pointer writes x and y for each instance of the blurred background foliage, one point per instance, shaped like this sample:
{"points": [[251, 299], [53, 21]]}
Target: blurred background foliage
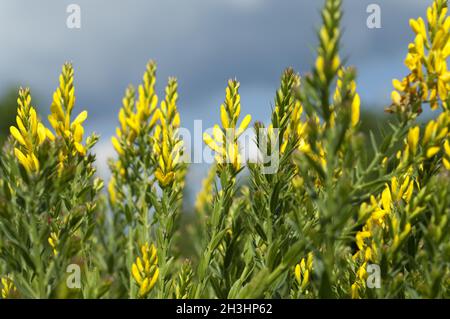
{"points": [[8, 107]]}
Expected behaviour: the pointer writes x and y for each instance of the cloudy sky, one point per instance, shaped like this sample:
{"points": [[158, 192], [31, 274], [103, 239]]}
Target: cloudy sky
{"points": [[201, 42]]}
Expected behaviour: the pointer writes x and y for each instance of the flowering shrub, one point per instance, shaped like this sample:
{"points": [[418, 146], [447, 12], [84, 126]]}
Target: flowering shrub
{"points": [[329, 222]]}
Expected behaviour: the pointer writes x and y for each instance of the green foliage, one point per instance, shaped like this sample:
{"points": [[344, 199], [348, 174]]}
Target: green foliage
{"points": [[330, 219]]}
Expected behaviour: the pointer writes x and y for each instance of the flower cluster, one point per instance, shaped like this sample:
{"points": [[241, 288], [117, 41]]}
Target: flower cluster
{"points": [[168, 147], [303, 271], [429, 78], [30, 133], [8, 289], [145, 270], [134, 116], [225, 138], [381, 218], [61, 110]]}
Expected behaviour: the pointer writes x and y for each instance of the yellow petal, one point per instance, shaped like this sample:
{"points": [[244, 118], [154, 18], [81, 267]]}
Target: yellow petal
{"points": [[78, 134], [356, 104], [143, 291], [413, 139], [154, 279], [80, 118], [16, 134], [49, 134], [396, 97], [297, 273], [447, 147], [244, 124], [386, 199], [136, 274], [432, 151], [446, 163], [41, 133], [80, 148], [224, 117]]}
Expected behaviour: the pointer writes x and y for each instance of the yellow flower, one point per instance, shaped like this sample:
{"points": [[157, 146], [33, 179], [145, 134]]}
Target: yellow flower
{"points": [[225, 140], [137, 117], [8, 288], [432, 151], [355, 291], [356, 105], [145, 270], [413, 139], [386, 199], [61, 111], [360, 236], [30, 133], [205, 196], [446, 159], [53, 241], [429, 78], [302, 271], [167, 144]]}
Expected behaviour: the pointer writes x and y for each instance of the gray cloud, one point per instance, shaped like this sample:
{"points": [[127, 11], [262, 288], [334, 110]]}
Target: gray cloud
{"points": [[202, 42]]}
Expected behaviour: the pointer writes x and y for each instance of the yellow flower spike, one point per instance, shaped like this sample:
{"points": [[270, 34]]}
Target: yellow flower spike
{"points": [[225, 143], [8, 289], [413, 139], [167, 144], [145, 276], [61, 111], [303, 270]]}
